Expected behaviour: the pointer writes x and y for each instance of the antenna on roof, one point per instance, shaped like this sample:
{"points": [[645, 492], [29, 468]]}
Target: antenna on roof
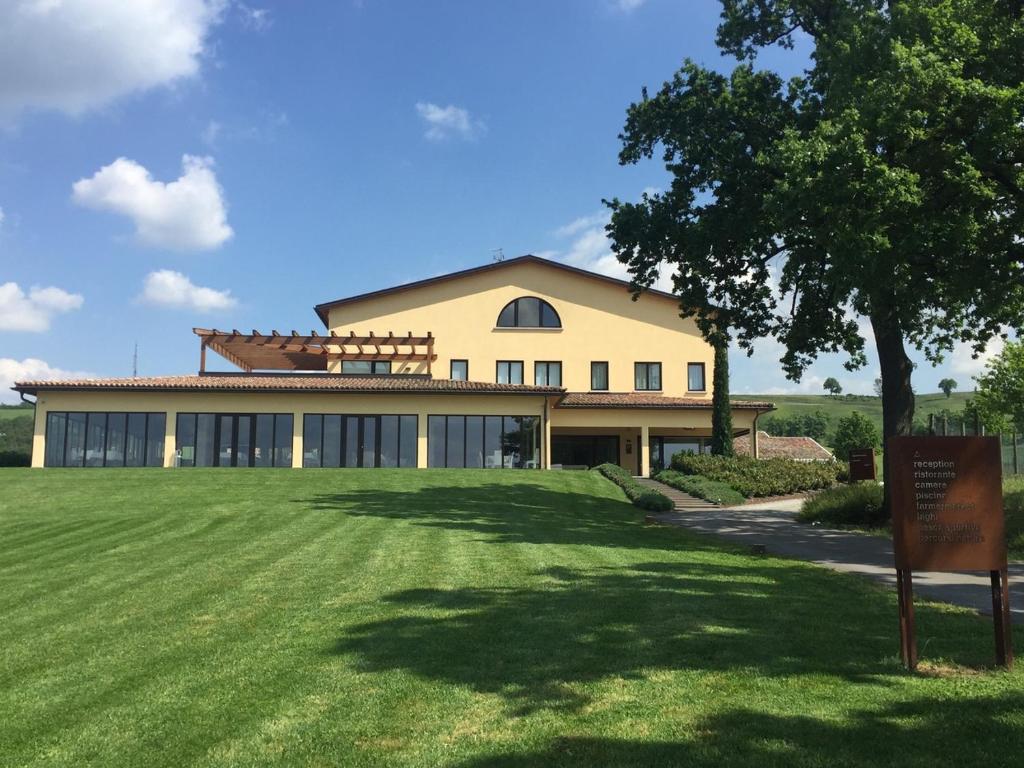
{"points": [[498, 254], [135, 361]]}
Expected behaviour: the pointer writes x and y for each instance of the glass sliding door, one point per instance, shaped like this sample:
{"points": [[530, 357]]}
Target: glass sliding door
{"points": [[104, 439], [360, 440], [484, 441], [231, 440]]}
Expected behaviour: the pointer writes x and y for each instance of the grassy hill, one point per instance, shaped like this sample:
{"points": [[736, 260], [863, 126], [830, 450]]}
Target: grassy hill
{"points": [[835, 408], [15, 412]]}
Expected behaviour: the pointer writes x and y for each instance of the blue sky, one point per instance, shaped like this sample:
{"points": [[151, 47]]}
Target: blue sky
{"points": [[189, 163]]}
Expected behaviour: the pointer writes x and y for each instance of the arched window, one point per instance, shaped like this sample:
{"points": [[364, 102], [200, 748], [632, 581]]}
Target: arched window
{"points": [[529, 312]]}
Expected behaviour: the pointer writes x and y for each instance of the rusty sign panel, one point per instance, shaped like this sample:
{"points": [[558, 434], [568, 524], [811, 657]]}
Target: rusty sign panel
{"points": [[862, 464], [947, 503]]}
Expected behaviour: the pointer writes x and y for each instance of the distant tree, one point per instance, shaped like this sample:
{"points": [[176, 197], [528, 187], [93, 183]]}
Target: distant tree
{"points": [[1000, 394], [947, 386], [833, 387], [854, 431], [886, 181], [878, 387]]}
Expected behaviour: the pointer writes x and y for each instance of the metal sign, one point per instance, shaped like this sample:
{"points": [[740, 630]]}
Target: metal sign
{"points": [[947, 515], [862, 464]]}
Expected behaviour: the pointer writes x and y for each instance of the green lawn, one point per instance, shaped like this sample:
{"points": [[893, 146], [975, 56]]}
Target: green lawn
{"points": [[469, 618]]}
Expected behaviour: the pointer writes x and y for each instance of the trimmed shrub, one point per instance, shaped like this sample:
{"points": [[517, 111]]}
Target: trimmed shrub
{"points": [[760, 477], [702, 487], [1013, 505], [15, 459], [859, 504], [640, 496]]}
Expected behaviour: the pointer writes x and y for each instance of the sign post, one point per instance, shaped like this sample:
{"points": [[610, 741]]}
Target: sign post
{"points": [[947, 515], [862, 464]]}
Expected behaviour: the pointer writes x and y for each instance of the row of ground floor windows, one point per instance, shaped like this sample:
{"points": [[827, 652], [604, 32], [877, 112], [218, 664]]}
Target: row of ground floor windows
{"points": [[100, 439]]}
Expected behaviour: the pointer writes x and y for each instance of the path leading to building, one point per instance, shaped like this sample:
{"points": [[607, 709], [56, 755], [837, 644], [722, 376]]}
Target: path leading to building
{"points": [[684, 502], [774, 526]]}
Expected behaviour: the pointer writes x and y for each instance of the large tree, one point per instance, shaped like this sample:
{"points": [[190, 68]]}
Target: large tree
{"points": [[887, 181]]}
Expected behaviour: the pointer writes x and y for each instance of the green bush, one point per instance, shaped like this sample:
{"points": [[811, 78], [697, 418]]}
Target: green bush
{"points": [[759, 477], [15, 459], [1013, 505], [855, 431], [702, 487], [640, 496], [859, 504]]}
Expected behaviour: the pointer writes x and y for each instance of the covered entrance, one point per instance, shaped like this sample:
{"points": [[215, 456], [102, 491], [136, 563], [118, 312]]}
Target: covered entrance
{"points": [[584, 450]]}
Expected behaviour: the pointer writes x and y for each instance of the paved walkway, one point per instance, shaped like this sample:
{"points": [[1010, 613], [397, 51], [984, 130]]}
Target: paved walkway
{"points": [[774, 525], [684, 502]]}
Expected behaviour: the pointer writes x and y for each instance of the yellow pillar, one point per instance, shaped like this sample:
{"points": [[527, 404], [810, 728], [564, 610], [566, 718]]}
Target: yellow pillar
{"points": [[645, 451], [297, 439], [421, 439], [170, 438], [546, 421], [39, 434]]}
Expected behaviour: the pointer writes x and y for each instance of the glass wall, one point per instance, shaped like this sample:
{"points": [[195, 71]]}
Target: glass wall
{"points": [[489, 442], [664, 448], [102, 439], [234, 439], [338, 440]]}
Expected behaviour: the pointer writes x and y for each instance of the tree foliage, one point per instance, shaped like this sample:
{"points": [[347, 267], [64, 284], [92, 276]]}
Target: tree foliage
{"points": [[721, 412], [886, 181], [1000, 398], [854, 431], [947, 385], [797, 425]]}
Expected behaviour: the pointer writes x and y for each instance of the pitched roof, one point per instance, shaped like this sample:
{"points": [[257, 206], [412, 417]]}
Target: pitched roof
{"points": [[322, 309], [407, 384], [649, 400], [772, 447]]}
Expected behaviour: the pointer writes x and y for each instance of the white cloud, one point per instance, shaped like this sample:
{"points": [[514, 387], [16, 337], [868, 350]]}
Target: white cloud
{"points": [[963, 362], [77, 55], [590, 249], [211, 132], [30, 369], [186, 214], [256, 19], [447, 122], [166, 288], [628, 6], [1, 217], [33, 311]]}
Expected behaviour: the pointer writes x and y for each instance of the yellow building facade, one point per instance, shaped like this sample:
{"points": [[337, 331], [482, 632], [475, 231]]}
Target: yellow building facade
{"points": [[524, 363]]}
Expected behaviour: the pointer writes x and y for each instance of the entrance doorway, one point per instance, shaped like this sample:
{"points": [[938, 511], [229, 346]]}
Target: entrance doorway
{"points": [[584, 450]]}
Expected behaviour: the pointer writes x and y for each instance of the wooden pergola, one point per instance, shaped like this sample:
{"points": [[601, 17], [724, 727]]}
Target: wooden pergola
{"points": [[298, 352]]}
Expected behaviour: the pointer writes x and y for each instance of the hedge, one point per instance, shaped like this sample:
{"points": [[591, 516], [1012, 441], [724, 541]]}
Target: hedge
{"points": [[760, 477], [702, 487], [15, 459], [640, 496], [859, 504]]}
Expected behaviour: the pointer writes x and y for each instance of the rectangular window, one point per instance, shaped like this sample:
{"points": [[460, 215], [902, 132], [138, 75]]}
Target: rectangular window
{"points": [[483, 441], [547, 374], [221, 440], [695, 377], [366, 367], [332, 440], [408, 440], [599, 376], [647, 376], [312, 440], [460, 370], [510, 372], [102, 439]]}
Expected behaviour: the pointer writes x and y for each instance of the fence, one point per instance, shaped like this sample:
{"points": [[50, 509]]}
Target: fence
{"points": [[1012, 444]]}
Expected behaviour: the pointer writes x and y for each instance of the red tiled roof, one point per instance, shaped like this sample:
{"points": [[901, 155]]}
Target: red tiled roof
{"points": [[771, 447], [648, 400], [290, 383]]}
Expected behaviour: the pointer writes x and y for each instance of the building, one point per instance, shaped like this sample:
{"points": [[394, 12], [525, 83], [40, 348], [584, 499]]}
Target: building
{"points": [[522, 363], [774, 447]]}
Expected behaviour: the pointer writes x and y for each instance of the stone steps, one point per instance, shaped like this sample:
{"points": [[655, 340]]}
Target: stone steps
{"points": [[683, 502]]}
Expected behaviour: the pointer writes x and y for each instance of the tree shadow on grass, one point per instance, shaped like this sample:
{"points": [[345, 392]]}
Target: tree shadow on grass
{"points": [[923, 733], [520, 512], [540, 647]]}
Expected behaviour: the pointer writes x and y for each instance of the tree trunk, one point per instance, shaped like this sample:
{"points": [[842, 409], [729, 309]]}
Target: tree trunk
{"points": [[721, 414], [897, 393]]}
